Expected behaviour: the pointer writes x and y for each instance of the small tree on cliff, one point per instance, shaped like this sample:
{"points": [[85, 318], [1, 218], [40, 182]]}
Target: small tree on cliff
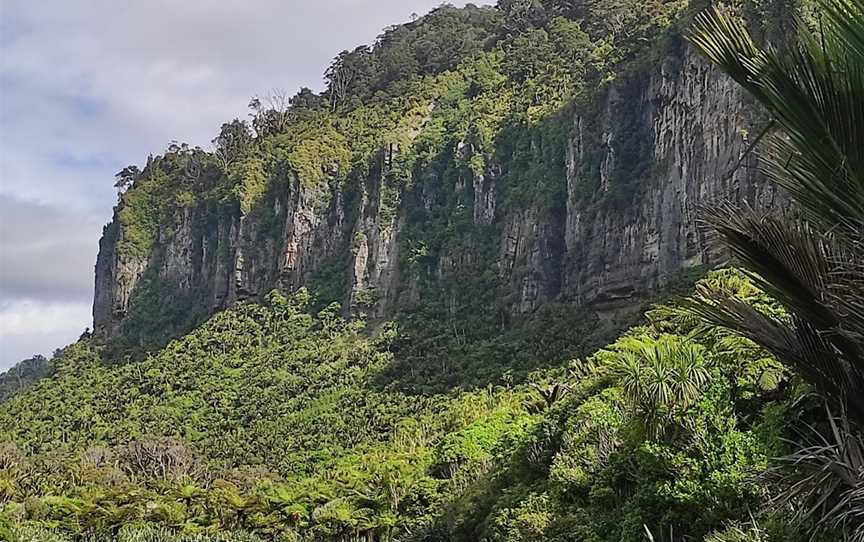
{"points": [[233, 141], [126, 177]]}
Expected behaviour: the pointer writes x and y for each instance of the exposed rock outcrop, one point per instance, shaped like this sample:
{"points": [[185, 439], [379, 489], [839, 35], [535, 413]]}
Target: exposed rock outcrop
{"points": [[655, 145], [685, 130]]}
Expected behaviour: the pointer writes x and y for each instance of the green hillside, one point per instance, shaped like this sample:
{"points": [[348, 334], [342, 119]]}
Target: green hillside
{"points": [[279, 423], [413, 373]]}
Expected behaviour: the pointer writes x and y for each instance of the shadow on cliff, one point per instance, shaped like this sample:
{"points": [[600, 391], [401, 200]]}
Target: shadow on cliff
{"points": [[465, 334], [432, 357], [458, 315], [434, 354], [160, 311]]}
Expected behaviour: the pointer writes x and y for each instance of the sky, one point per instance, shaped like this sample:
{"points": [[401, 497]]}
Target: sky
{"points": [[90, 86]]}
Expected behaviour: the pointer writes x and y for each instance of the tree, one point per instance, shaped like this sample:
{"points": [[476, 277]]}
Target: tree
{"points": [[305, 99], [231, 144], [528, 55], [272, 115], [522, 15], [159, 458], [126, 177], [349, 74], [810, 259], [660, 378]]}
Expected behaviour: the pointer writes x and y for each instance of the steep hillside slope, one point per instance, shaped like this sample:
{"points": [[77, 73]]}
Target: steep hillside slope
{"points": [[273, 421], [23, 374]]}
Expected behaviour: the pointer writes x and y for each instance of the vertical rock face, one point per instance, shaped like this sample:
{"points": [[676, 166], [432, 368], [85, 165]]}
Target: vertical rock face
{"points": [[655, 146], [117, 274], [374, 270], [530, 258], [677, 136], [203, 261]]}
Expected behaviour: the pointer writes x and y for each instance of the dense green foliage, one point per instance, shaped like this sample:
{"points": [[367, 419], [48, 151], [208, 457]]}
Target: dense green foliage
{"points": [[284, 415], [283, 419], [273, 421]]}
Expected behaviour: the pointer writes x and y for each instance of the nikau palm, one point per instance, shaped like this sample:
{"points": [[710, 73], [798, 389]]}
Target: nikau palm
{"points": [[811, 257], [660, 379]]}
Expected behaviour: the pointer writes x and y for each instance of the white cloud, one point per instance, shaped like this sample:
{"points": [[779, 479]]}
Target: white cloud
{"points": [[48, 252], [31, 327], [22, 319], [89, 86]]}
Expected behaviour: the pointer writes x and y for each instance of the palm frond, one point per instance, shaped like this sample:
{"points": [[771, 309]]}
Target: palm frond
{"points": [[783, 256], [816, 96], [812, 264], [816, 277], [842, 17], [824, 478], [796, 343], [725, 41], [819, 154], [660, 378]]}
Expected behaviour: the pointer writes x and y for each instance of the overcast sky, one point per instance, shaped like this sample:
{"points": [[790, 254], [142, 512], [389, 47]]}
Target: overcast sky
{"points": [[89, 86]]}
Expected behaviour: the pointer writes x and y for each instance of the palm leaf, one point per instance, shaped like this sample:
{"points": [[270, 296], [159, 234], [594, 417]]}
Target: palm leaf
{"points": [[842, 17], [824, 477], [813, 264], [815, 93]]}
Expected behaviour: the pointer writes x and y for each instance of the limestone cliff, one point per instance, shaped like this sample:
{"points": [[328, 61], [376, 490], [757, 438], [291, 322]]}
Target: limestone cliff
{"points": [[640, 158]]}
